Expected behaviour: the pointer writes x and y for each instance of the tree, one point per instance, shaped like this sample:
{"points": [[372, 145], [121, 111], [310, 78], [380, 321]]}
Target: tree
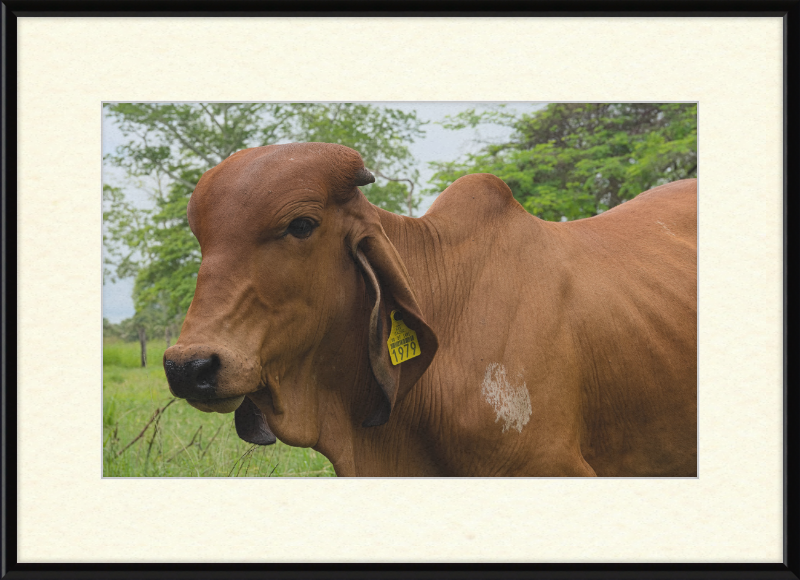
{"points": [[569, 161], [130, 330], [110, 330], [170, 146]]}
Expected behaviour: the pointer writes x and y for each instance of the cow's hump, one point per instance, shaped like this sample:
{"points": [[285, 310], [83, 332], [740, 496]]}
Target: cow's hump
{"points": [[478, 197]]}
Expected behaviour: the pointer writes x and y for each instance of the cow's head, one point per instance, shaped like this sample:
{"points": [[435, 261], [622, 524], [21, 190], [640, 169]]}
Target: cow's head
{"points": [[293, 297]]}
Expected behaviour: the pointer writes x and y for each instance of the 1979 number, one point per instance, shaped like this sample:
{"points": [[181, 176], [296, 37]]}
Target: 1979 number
{"points": [[403, 352]]}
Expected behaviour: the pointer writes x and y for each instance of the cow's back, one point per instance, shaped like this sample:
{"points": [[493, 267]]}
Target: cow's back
{"points": [[669, 209], [635, 321]]}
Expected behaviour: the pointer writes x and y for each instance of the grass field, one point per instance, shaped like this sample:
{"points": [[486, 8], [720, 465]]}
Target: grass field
{"points": [[148, 433]]}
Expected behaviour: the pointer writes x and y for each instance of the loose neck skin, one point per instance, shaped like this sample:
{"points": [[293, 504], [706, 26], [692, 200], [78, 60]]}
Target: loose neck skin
{"points": [[401, 446], [443, 258]]}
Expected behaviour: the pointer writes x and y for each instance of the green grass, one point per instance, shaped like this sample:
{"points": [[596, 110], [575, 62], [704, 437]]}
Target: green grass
{"points": [[181, 441], [127, 354]]}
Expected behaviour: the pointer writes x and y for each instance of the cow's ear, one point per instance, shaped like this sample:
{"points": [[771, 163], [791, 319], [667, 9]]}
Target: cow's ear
{"points": [[386, 273]]}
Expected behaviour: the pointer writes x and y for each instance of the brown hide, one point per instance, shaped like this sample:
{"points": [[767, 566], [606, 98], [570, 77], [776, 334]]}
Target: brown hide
{"points": [[547, 349]]}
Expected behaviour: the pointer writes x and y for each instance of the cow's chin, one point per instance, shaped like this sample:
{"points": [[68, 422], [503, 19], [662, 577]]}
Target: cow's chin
{"points": [[228, 405]]}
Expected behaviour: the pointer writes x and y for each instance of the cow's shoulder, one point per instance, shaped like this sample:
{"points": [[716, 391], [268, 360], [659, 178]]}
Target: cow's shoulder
{"points": [[475, 198]]}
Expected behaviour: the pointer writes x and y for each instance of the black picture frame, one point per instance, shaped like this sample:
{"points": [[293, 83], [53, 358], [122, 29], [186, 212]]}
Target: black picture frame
{"points": [[12, 569]]}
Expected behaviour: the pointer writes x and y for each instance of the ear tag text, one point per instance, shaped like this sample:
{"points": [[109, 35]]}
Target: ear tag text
{"points": [[403, 343]]}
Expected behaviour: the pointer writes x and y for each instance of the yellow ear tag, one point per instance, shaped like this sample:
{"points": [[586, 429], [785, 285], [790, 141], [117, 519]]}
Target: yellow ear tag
{"points": [[403, 343]]}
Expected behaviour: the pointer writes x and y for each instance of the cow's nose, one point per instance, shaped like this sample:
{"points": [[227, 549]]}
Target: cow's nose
{"points": [[193, 379]]}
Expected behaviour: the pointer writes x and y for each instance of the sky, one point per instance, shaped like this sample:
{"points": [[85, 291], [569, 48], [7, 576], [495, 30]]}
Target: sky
{"points": [[439, 144]]}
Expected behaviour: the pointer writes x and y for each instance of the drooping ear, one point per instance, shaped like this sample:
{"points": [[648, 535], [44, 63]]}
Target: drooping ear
{"points": [[386, 273], [251, 425]]}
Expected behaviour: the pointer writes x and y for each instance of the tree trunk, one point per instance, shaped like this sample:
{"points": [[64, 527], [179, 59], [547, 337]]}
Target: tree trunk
{"points": [[410, 198], [143, 345], [167, 334]]}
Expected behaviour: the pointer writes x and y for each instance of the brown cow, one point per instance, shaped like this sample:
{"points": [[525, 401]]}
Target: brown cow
{"points": [[540, 348]]}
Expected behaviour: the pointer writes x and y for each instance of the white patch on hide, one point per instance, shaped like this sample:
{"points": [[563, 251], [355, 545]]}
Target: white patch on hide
{"points": [[511, 403], [666, 228]]}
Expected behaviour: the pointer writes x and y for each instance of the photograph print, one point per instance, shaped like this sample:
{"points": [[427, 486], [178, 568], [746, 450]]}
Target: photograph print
{"points": [[412, 289]]}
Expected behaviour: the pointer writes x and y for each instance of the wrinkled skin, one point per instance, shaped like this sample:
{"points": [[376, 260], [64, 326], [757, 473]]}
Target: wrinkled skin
{"points": [[548, 349]]}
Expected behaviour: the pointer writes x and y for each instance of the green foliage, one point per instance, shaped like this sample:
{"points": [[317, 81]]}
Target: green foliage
{"points": [[110, 330], [170, 146], [577, 160], [181, 442], [392, 196], [125, 229], [165, 284]]}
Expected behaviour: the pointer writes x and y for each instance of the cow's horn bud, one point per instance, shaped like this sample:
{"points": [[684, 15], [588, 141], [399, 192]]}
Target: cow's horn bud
{"points": [[363, 177]]}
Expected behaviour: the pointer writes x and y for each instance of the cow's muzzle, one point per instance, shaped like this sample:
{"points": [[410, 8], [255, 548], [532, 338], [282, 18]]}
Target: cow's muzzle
{"points": [[194, 379], [209, 381]]}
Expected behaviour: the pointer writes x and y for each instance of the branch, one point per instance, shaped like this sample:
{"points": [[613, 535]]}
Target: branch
{"points": [[208, 445], [185, 447], [381, 175], [238, 128], [156, 413], [410, 192], [186, 144], [176, 177], [214, 119]]}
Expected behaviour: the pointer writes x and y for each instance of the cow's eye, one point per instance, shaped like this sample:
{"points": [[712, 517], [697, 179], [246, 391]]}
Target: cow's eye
{"points": [[301, 228]]}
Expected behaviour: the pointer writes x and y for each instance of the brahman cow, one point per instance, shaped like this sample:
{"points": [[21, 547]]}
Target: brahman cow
{"points": [[476, 340]]}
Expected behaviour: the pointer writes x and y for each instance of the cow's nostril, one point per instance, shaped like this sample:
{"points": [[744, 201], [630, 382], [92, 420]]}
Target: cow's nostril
{"points": [[206, 370], [194, 379]]}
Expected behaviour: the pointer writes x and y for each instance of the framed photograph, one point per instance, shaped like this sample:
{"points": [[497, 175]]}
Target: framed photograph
{"points": [[65, 513]]}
